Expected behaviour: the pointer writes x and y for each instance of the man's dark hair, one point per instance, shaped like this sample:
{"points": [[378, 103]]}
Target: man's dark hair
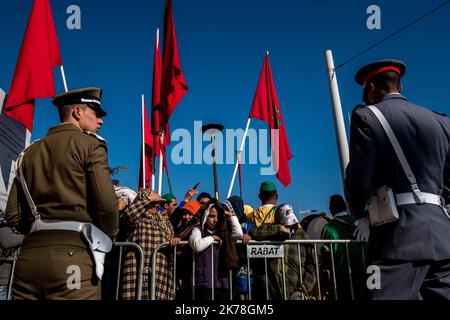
{"points": [[266, 195], [204, 195], [337, 204], [388, 81], [65, 111]]}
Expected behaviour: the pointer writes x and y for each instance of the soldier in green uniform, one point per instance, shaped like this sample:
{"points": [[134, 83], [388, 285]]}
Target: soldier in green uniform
{"points": [[67, 175]]}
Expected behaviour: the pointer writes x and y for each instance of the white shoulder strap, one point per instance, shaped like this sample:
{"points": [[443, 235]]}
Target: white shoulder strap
{"points": [[418, 197], [19, 174]]}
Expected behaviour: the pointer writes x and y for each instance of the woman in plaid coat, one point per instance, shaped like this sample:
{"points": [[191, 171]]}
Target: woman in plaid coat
{"points": [[150, 229]]}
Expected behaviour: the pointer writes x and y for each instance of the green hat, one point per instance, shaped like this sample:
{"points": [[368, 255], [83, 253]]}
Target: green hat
{"points": [[267, 186], [89, 96], [168, 197]]}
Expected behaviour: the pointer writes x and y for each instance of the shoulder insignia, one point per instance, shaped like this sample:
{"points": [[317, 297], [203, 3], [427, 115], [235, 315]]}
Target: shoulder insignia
{"points": [[440, 113], [90, 133]]}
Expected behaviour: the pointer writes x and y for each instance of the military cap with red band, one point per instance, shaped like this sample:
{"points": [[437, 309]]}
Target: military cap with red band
{"points": [[369, 71]]}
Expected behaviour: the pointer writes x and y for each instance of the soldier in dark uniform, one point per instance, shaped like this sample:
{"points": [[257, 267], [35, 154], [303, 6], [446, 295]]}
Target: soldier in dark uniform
{"points": [[413, 253], [68, 178]]}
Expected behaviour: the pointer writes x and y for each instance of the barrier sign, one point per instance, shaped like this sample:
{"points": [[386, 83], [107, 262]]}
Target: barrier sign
{"points": [[265, 251]]}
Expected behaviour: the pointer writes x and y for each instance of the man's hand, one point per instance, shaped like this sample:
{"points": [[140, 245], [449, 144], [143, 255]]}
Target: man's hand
{"points": [[189, 195], [153, 196], [217, 238], [246, 239], [362, 230], [122, 203], [174, 241], [229, 214]]}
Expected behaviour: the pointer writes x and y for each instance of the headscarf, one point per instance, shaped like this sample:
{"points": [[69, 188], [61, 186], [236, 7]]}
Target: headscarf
{"points": [[227, 251], [285, 215], [125, 193]]}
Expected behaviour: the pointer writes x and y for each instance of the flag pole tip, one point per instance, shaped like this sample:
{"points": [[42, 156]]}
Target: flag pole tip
{"points": [[267, 52]]}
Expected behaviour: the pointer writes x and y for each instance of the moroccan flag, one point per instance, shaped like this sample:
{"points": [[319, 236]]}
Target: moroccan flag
{"points": [[267, 108], [173, 86], [33, 76], [146, 167], [156, 100]]}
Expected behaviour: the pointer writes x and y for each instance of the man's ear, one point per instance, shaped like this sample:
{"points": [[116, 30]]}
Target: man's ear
{"points": [[76, 112], [400, 88]]}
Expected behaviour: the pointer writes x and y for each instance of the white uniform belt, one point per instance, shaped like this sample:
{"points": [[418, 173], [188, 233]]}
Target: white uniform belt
{"points": [[57, 225], [408, 198]]}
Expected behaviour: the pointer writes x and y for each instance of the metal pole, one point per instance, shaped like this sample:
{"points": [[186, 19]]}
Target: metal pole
{"points": [[119, 271], [193, 275], [161, 161], [230, 189], [300, 267], [143, 143], [63, 78], [212, 273], [349, 272], [216, 184], [339, 125], [267, 280], [249, 284], [317, 270], [333, 270]]}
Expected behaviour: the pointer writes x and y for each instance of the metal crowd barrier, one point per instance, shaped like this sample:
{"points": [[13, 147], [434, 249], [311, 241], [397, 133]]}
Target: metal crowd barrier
{"points": [[139, 272], [140, 267], [249, 287], [10, 259]]}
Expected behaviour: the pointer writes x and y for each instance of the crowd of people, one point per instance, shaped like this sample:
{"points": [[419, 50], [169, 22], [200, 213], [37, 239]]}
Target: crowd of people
{"points": [[64, 212], [215, 235]]}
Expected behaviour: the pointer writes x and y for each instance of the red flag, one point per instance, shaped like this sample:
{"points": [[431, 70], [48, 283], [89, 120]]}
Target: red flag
{"points": [[156, 100], [267, 108], [147, 158], [173, 86], [33, 77]]}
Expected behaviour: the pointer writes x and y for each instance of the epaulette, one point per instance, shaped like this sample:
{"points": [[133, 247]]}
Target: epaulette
{"points": [[359, 106], [440, 113], [90, 133]]}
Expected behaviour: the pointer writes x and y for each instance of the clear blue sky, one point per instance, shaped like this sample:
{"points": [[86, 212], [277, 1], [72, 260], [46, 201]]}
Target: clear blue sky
{"points": [[222, 46]]}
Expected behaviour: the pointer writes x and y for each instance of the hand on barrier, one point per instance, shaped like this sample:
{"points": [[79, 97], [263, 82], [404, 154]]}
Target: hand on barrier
{"points": [[217, 238], [246, 239], [362, 231], [174, 241]]}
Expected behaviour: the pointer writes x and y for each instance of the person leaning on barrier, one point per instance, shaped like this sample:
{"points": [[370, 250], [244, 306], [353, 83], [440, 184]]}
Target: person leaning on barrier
{"points": [[151, 228], [221, 225], [342, 227], [286, 227], [413, 251], [68, 179]]}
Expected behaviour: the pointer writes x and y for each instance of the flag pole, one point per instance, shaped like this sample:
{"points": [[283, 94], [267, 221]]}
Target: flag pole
{"points": [[161, 161], [143, 144], [63, 78], [241, 148], [339, 125]]}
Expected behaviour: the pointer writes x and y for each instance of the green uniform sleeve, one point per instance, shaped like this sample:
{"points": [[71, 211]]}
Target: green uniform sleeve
{"points": [[100, 189], [17, 211]]}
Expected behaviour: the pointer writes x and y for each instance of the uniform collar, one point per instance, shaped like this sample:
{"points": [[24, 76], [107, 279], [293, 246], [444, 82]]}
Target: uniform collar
{"points": [[64, 127], [393, 95]]}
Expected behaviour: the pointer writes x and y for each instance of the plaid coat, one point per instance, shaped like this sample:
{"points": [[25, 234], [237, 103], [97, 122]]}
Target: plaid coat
{"points": [[298, 278], [149, 231]]}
